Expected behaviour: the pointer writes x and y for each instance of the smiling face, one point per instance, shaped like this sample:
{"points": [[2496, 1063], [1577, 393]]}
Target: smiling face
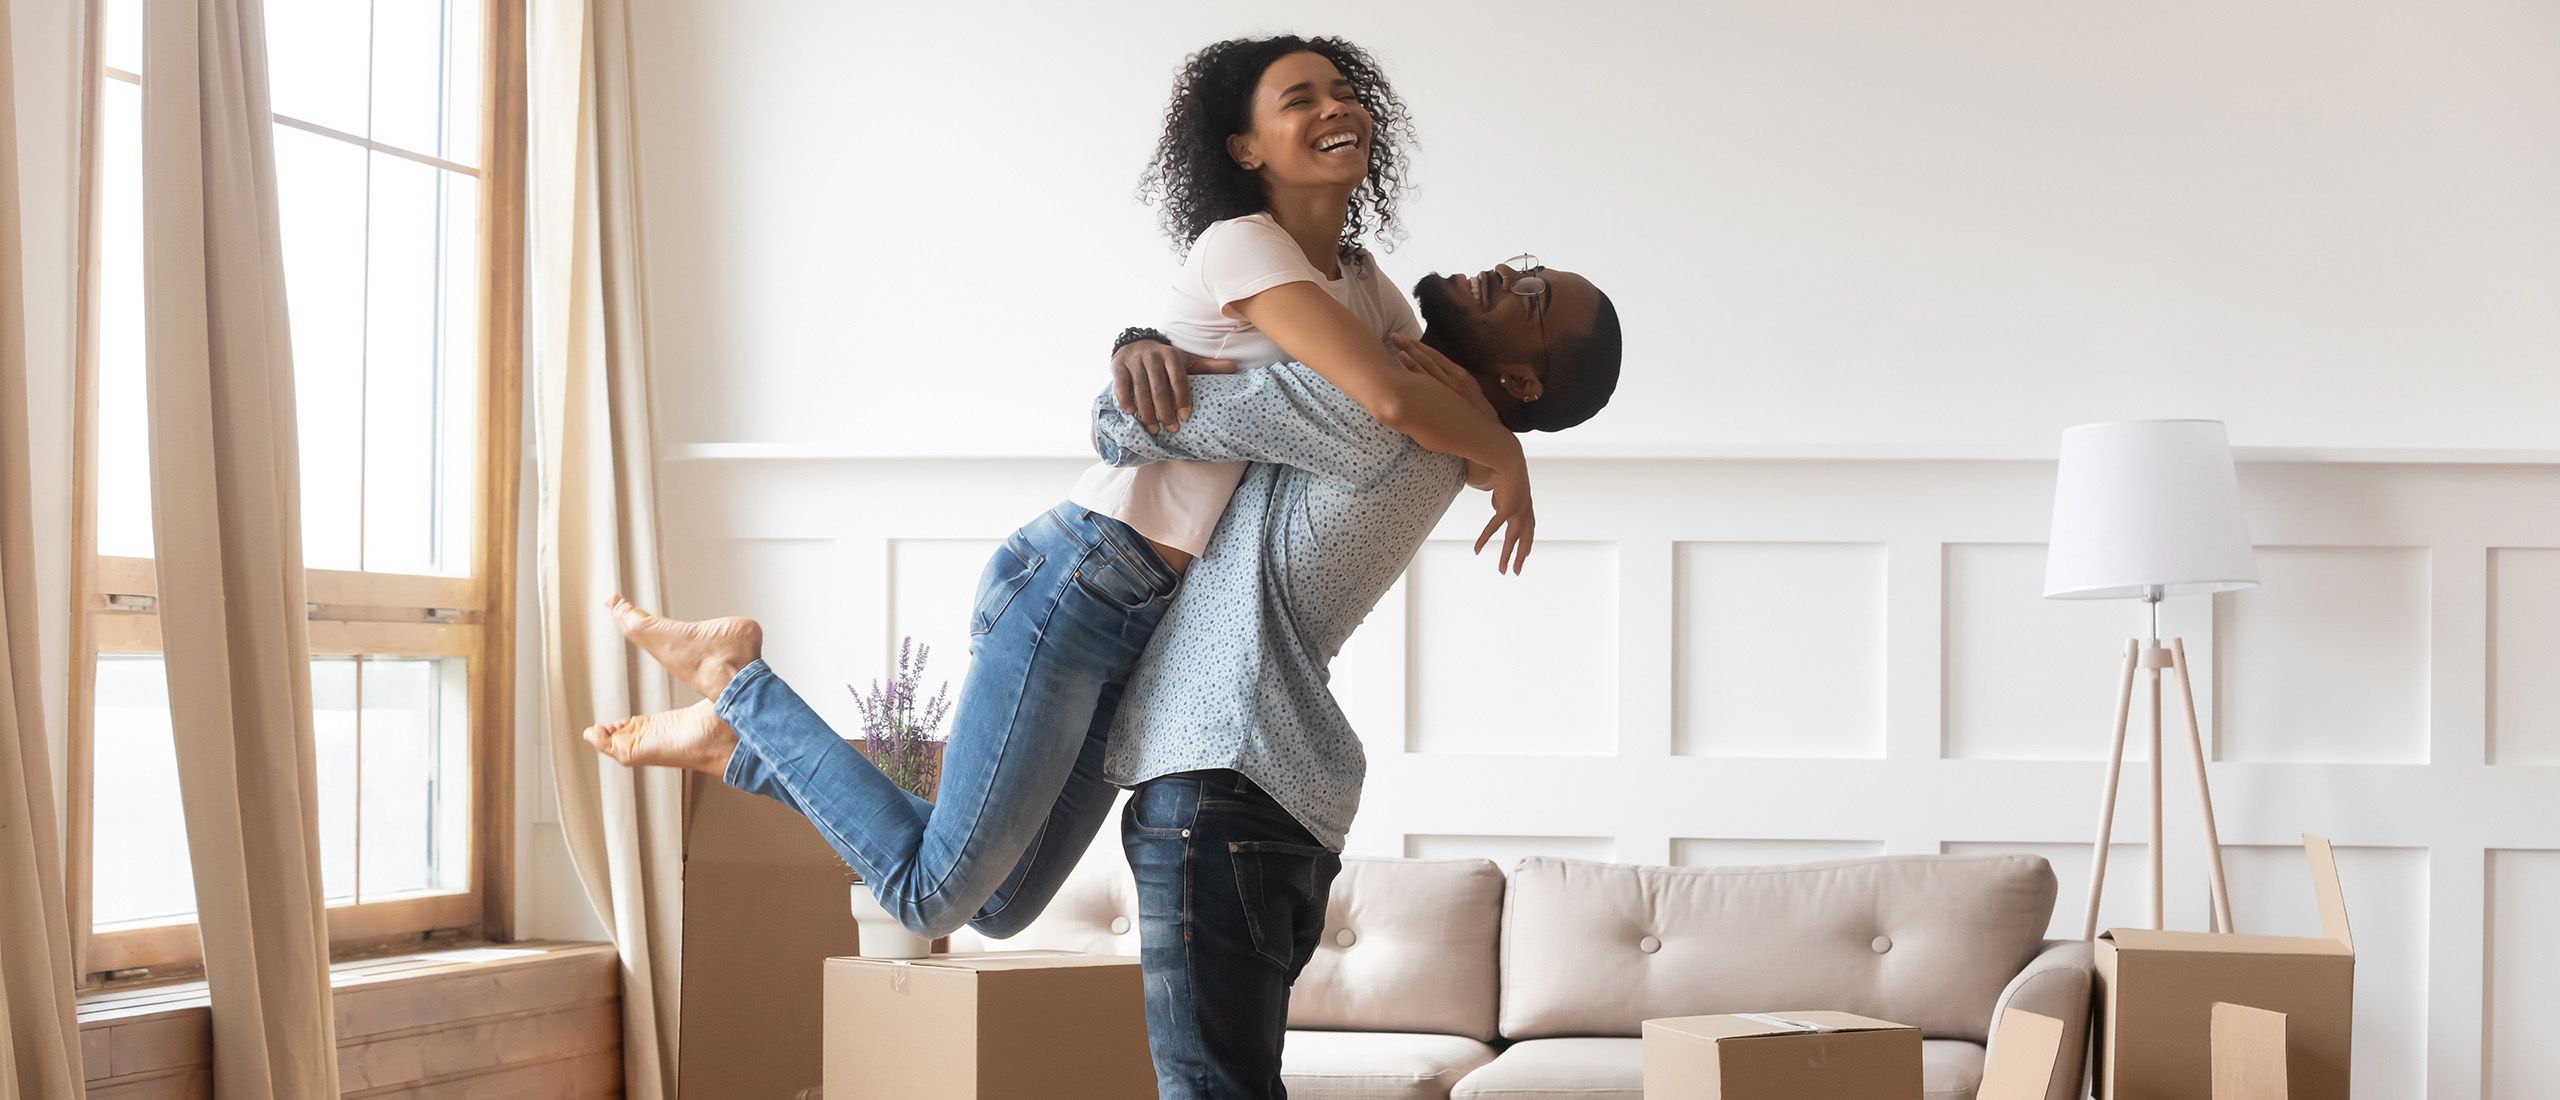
{"points": [[1502, 337], [1308, 129]]}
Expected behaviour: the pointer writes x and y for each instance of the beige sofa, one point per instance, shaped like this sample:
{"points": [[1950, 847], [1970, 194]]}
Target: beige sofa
{"points": [[1448, 979]]}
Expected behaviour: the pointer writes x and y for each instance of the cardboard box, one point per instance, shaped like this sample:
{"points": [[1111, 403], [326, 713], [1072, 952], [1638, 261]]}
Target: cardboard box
{"points": [[764, 906], [2023, 1051], [2248, 1053], [1780, 1056], [2156, 992], [997, 1025]]}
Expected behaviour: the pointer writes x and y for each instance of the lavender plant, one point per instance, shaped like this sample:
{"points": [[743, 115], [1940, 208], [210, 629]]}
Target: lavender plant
{"points": [[894, 736]]}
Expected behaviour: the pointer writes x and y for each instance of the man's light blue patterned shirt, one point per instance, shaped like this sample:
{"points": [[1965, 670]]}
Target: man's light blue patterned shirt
{"points": [[1333, 507]]}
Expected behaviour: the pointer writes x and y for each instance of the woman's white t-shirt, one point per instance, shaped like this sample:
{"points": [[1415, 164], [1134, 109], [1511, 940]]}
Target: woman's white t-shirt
{"points": [[1178, 503]]}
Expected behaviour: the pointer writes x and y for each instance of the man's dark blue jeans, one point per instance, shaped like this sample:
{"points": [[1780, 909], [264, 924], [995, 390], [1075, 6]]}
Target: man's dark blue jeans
{"points": [[1231, 896]]}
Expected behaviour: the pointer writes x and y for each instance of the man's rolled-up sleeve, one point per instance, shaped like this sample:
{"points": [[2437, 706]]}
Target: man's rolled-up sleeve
{"points": [[1286, 415]]}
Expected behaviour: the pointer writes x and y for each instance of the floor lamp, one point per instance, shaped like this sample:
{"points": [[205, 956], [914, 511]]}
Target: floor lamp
{"points": [[2149, 509]]}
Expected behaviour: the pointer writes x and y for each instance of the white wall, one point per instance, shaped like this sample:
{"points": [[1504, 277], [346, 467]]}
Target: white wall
{"points": [[1962, 224], [1722, 661], [885, 243]]}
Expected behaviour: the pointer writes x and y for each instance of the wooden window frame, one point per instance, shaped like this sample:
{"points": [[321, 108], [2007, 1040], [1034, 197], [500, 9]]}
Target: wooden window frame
{"points": [[372, 614]]}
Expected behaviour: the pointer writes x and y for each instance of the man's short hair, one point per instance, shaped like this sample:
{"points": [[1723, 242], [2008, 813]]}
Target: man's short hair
{"points": [[1582, 373]]}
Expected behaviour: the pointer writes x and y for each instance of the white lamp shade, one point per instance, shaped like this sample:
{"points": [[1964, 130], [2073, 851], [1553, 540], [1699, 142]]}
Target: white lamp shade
{"points": [[2142, 503]]}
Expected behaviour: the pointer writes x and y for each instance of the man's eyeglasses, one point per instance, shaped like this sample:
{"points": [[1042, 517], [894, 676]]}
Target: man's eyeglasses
{"points": [[1528, 283]]}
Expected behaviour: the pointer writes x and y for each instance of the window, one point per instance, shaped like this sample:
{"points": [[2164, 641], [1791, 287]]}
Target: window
{"points": [[390, 137]]}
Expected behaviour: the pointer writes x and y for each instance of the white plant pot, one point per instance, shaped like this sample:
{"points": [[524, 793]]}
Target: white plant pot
{"points": [[882, 936]]}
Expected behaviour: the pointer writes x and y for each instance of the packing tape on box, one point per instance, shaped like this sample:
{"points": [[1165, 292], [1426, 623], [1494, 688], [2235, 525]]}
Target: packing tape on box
{"points": [[1780, 1021]]}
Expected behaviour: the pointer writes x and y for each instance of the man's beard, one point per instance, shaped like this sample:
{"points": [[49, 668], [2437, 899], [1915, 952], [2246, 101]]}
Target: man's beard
{"points": [[1443, 327]]}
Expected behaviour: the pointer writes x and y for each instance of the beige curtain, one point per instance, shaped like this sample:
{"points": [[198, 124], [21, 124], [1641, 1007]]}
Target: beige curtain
{"points": [[41, 1060], [228, 527], [598, 527]]}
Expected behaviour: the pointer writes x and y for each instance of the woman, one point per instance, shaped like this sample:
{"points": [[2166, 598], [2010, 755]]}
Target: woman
{"points": [[1275, 155]]}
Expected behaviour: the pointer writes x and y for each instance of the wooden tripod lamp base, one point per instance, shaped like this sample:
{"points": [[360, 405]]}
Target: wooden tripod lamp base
{"points": [[2151, 659]]}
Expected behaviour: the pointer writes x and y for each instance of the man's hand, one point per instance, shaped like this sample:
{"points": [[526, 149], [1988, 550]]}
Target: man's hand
{"points": [[1153, 382], [1511, 507]]}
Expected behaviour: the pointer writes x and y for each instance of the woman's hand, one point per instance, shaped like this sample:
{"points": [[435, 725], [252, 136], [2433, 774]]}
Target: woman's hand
{"points": [[1152, 382], [1512, 512], [1423, 359]]}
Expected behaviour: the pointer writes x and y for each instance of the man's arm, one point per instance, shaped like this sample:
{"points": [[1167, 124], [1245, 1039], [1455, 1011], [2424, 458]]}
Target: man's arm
{"points": [[1286, 415]]}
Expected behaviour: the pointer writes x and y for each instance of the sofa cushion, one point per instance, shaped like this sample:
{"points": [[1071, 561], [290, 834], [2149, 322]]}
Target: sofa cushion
{"points": [[1560, 1069], [1613, 1069], [1095, 910], [1376, 1065], [1599, 948], [1950, 1069], [1409, 945]]}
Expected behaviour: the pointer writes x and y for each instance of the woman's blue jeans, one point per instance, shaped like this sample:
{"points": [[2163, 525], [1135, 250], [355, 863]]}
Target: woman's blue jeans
{"points": [[1064, 608]]}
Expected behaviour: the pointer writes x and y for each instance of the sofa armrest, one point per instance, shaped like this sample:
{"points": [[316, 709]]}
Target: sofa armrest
{"points": [[2056, 983]]}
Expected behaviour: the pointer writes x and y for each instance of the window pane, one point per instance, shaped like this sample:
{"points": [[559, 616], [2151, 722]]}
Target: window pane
{"points": [[316, 54], [463, 102], [458, 375], [333, 729], [123, 35], [320, 196], [416, 801], [124, 455], [400, 365], [421, 363], [426, 77], [139, 868]]}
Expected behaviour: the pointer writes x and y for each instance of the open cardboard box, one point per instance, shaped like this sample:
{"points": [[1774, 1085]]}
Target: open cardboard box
{"points": [[2157, 989], [764, 907]]}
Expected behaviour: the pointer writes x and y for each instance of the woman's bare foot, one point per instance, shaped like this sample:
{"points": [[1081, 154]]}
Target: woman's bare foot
{"points": [[703, 654], [694, 737]]}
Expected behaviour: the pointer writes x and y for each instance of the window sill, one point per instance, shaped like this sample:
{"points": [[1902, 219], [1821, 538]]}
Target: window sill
{"points": [[544, 1018]]}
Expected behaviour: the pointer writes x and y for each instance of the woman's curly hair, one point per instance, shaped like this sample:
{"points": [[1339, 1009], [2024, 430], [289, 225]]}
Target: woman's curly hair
{"points": [[1196, 183]]}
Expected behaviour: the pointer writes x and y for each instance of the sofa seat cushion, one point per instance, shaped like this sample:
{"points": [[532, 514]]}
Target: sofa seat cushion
{"points": [[1950, 1069], [1409, 945], [1376, 1065], [1930, 941], [1560, 1069], [1613, 1069], [1095, 911]]}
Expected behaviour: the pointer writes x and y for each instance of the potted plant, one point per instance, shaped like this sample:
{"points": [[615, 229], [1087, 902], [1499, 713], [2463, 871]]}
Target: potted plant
{"points": [[907, 747]]}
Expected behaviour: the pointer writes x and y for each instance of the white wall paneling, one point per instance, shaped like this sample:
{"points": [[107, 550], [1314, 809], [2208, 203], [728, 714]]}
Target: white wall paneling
{"points": [[2524, 648], [2326, 661], [1506, 716], [2127, 902], [1781, 649], [2523, 955], [1745, 852], [933, 587], [2029, 678], [1508, 850], [1482, 683]]}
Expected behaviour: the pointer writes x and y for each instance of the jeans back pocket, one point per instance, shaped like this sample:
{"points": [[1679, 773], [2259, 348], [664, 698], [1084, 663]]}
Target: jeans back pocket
{"points": [[1008, 571], [1283, 888]]}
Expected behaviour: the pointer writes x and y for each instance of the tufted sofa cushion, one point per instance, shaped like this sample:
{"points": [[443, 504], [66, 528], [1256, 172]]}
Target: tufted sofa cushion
{"points": [[1377, 1065], [1595, 949], [1613, 1069], [1095, 911], [1409, 945]]}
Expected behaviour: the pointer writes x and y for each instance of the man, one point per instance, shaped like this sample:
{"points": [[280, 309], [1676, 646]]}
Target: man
{"points": [[1246, 775], [1244, 766]]}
